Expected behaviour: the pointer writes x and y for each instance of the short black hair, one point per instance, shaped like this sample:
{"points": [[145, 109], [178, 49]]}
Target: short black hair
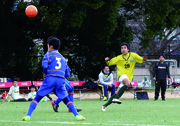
{"points": [[162, 55], [126, 45], [53, 41], [32, 86], [15, 79]]}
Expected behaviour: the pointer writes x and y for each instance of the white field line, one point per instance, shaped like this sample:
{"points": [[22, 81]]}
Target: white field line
{"points": [[135, 121], [80, 123], [54, 122]]}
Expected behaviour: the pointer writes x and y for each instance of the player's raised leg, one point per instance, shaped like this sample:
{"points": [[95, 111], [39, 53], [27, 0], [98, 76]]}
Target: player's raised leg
{"points": [[70, 91], [32, 107], [46, 88], [72, 108], [108, 102], [69, 104], [62, 94], [71, 98], [124, 85], [123, 79]]}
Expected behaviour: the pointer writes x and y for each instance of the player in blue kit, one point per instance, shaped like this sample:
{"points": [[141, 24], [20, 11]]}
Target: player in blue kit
{"points": [[56, 70], [70, 91]]}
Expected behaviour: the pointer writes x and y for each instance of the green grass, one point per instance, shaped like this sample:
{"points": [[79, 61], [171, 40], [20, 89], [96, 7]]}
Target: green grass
{"points": [[130, 112]]}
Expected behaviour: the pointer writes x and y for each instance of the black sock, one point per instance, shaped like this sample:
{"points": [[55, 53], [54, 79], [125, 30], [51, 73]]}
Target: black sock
{"points": [[110, 100], [20, 99], [49, 97], [121, 91]]}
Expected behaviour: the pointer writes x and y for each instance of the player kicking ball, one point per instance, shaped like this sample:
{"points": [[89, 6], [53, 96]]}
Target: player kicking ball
{"points": [[125, 63], [70, 90], [56, 70]]}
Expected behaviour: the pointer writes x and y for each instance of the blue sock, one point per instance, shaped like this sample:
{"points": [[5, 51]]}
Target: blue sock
{"points": [[70, 106], [71, 98], [32, 106], [58, 100], [73, 109]]}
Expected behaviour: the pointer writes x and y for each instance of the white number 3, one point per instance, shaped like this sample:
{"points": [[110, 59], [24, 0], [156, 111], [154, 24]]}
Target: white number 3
{"points": [[58, 62]]}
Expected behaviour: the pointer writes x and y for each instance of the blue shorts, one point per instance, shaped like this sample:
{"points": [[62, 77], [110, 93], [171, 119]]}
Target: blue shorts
{"points": [[55, 84], [68, 86]]}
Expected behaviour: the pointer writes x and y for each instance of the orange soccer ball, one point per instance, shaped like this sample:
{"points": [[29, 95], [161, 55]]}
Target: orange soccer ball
{"points": [[31, 11]]}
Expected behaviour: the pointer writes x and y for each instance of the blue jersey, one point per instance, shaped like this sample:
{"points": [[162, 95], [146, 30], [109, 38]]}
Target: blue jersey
{"points": [[56, 64]]}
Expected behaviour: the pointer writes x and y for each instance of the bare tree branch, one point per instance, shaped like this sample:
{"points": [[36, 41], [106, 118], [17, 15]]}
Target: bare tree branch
{"points": [[177, 47], [169, 41], [170, 32]]}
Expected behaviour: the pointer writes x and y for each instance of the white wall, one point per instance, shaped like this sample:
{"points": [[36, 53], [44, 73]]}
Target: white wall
{"points": [[145, 71]]}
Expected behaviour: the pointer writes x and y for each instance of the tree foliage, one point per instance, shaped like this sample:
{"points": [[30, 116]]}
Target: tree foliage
{"points": [[16, 42], [87, 52], [89, 31], [156, 23]]}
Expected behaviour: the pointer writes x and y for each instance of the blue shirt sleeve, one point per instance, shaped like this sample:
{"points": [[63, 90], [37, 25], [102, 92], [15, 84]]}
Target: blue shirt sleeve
{"points": [[67, 71], [45, 64]]}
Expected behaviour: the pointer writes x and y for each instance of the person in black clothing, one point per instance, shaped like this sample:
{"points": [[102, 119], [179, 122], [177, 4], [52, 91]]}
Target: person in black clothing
{"points": [[160, 73]]}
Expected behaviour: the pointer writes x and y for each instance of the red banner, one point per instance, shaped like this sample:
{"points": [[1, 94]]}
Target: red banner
{"points": [[76, 83], [6, 85], [24, 84], [134, 83], [116, 83], [20, 84], [37, 83], [73, 83]]}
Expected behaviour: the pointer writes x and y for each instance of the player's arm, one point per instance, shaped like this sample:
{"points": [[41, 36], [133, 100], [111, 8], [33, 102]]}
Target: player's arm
{"points": [[67, 75], [112, 61], [154, 72], [67, 71], [140, 59], [167, 71], [45, 64]]}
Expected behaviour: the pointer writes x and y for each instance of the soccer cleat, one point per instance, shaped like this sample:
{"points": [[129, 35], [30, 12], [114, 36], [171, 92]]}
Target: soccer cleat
{"points": [[55, 106], [78, 110], [105, 99], [9, 101], [26, 118], [163, 99], [80, 118], [115, 100], [103, 108]]}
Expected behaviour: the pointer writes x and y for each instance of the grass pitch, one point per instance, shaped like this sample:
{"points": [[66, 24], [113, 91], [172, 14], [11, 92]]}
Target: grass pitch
{"points": [[130, 112]]}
